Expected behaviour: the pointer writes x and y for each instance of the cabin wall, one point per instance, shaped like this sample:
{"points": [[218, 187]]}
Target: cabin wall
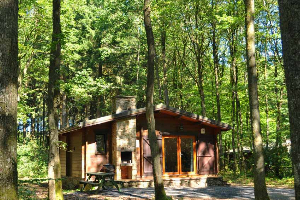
{"points": [[74, 155], [94, 160], [167, 125], [63, 156]]}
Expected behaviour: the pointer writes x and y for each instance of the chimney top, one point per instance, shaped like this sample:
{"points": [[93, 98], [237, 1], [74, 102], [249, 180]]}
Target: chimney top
{"points": [[122, 103]]}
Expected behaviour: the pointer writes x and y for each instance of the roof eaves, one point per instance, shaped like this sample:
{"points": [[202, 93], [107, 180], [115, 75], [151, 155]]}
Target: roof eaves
{"points": [[223, 126], [134, 112]]}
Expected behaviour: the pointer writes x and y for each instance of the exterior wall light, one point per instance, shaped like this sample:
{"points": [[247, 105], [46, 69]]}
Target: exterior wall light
{"points": [[202, 130]]}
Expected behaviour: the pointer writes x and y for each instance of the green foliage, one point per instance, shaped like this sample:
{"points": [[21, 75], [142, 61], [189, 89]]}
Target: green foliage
{"points": [[70, 183], [32, 160], [26, 192], [247, 179], [104, 53]]}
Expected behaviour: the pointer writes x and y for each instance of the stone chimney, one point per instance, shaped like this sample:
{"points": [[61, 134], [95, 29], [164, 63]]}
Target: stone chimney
{"points": [[124, 138], [121, 103]]}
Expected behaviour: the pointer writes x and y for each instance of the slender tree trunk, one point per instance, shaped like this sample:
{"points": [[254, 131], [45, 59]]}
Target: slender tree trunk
{"points": [[267, 114], [238, 116], [290, 35], [260, 189], [44, 117], [163, 49], [240, 134], [278, 141], [32, 125], [64, 112], [233, 95], [156, 65], [54, 168], [217, 93], [200, 87], [8, 99], [198, 51], [157, 171], [100, 99]]}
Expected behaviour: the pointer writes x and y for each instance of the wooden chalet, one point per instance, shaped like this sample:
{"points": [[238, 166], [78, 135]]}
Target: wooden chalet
{"points": [[188, 143]]}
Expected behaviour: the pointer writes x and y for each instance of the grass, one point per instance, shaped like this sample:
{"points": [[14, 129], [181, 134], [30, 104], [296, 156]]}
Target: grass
{"points": [[247, 179]]}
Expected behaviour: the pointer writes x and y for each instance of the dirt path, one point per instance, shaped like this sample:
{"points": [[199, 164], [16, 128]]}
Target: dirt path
{"points": [[184, 193], [214, 193]]}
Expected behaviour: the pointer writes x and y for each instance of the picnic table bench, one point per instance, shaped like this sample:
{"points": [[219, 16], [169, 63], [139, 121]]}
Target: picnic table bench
{"points": [[102, 180]]}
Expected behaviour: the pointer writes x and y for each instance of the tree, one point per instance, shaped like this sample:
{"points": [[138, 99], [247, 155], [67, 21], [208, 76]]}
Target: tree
{"points": [[290, 36], [8, 98], [260, 189], [54, 168], [160, 193]]}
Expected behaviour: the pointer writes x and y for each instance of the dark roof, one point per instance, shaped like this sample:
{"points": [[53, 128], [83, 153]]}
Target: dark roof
{"points": [[161, 108]]}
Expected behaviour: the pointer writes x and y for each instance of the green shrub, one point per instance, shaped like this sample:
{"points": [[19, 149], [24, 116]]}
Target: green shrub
{"points": [[70, 183], [32, 160], [26, 192]]}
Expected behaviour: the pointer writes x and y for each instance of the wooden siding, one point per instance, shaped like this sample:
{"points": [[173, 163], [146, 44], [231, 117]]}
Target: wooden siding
{"points": [[167, 125], [94, 161], [76, 153], [63, 157]]}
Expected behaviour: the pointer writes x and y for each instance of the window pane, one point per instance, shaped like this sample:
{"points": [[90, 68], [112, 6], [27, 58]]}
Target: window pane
{"points": [[187, 155], [100, 142], [170, 148]]}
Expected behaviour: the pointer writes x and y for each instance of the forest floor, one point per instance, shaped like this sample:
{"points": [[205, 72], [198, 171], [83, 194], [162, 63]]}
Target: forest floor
{"points": [[233, 192]]}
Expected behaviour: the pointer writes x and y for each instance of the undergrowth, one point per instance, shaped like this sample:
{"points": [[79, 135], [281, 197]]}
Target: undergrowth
{"points": [[247, 179]]}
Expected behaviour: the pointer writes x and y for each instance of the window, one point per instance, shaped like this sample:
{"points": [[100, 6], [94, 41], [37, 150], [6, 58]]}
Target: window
{"points": [[100, 144]]}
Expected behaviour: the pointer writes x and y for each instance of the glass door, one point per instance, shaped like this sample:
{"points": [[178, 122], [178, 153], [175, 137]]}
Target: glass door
{"points": [[187, 155], [179, 155], [170, 155]]}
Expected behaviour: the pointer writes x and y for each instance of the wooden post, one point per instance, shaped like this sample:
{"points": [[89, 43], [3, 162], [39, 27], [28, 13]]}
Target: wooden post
{"points": [[217, 131], [84, 146]]}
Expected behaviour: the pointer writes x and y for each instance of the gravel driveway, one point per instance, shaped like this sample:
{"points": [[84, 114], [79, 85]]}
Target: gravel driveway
{"points": [[232, 192]]}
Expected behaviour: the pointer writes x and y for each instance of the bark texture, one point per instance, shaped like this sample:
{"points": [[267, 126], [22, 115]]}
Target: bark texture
{"points": [[8, 98], [157, 171], [260, 189], [54, 168], [289, 11]]}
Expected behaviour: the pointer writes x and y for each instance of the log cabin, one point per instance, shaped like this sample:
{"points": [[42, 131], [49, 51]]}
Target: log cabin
{"points": [[188, 143]]}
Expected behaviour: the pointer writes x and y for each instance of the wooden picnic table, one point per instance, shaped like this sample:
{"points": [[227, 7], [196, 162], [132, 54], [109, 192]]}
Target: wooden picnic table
{"points": [[102, 179]]}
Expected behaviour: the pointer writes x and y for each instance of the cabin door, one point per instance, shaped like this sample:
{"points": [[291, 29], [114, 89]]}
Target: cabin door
{"points": [[179, 155]]}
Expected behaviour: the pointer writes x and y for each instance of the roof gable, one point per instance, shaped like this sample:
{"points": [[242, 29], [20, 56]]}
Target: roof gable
{"points": [[161, 108]]}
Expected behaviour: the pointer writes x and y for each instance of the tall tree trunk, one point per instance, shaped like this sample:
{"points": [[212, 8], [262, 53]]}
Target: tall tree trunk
{"points": [[200, 86], [157, 171], [290, 35], [278, 141], [156, 65], [163, 50], [240, 134], [260, 189], [217, 93], [198, 47], [266, 110], [100, 100], [64, 111], [233, 94], [8, 98], [238, 117], [54, 168], [44, 117]]}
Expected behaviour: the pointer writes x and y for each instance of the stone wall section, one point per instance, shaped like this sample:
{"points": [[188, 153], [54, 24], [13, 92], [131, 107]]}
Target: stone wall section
{"points": [[123, 139], [124, 135]]}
